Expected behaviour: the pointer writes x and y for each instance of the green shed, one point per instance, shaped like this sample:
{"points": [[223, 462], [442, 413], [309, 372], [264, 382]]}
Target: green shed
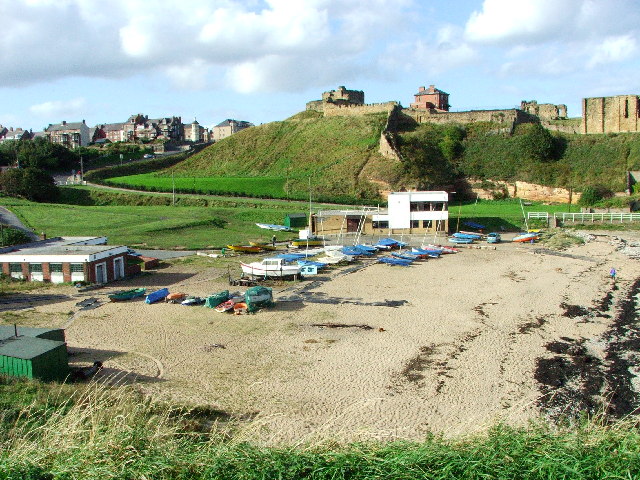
{"points": [[295, 220], [7, 331], [33, 357]]}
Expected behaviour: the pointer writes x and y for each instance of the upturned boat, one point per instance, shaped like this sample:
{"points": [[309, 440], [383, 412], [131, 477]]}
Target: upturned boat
{"points": [[526, 237], [127, 294]]}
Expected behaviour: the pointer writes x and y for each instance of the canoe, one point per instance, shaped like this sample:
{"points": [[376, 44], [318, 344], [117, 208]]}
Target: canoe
{"points": [[444, 248], [225, 306], [175, 297], [460, 240], [127, 294], [526, 237], [157, 295], [263, 246], [244, 248], [192, 301]]}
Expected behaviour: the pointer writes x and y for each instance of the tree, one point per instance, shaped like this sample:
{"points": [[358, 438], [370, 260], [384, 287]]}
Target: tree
{"points": [[30, 183]]}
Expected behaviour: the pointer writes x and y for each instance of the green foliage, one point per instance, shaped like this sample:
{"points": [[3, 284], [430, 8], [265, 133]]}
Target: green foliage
{"points": [[30, 183], [12, 236], [593, 194], [38, 153]]}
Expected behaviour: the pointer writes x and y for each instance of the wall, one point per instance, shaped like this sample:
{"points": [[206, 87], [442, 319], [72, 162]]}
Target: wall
{"points": [[509, 118], [524, 190], [611, 114], [332, 110]]}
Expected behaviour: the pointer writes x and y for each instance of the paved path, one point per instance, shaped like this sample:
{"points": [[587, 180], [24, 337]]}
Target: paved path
{"points": [[165, 254], [9, 218]]}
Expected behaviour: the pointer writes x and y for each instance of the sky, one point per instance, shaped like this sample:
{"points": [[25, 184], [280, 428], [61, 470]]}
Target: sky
{"points": [[262, 60]]}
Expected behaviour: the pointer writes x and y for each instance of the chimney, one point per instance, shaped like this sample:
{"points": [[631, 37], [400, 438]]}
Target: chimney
{"points": [[421, 89], [432, 88], [64, 122]]}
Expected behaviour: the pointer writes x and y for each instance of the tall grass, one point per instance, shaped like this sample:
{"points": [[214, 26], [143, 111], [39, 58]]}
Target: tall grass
{"points": [[102, 432]]}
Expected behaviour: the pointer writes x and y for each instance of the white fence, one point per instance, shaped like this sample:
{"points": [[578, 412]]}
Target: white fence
{"points": [[597, 217]]}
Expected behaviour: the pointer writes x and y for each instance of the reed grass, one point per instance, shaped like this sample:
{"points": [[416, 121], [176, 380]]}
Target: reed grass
{"points": [[97, 431]]}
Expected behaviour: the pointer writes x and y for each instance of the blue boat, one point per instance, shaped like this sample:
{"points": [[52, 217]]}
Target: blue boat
{"points": [[395, 261], [390, 243], [352, 251], [475, 225], [472, 236], [157, 295], [405, 256], [428, 252], [460, 240], [367, 248]]}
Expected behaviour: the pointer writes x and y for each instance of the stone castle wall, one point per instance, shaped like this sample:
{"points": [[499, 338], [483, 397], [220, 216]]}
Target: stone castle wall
{"points": [[333, 110], [611, 114], [509, 118], [524, 190], [544, 111]]}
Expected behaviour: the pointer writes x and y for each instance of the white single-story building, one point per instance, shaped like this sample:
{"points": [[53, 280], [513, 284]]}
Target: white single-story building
{"points": [[67, 259], [407, 213]]}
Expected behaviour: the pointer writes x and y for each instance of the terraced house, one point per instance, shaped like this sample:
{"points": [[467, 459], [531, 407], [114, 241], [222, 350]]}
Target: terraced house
{"points": [[71, 135]]}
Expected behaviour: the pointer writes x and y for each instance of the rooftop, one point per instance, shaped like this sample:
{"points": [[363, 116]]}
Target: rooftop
{"points": [[27, 347], [61, 246]]}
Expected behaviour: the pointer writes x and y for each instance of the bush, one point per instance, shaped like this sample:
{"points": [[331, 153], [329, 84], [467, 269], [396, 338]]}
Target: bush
{"points": [[30, 183], [592, 195]]}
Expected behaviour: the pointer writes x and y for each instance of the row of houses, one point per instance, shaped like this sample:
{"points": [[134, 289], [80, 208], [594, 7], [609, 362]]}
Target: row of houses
{"points": [[137, 128]]}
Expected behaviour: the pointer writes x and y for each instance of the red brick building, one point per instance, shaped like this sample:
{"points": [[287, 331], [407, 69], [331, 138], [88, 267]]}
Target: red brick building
{"points": [[67, 259], [431, 98]]}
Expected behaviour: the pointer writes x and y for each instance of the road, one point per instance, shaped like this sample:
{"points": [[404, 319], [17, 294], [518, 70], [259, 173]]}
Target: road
{"points": [[9, 218]]}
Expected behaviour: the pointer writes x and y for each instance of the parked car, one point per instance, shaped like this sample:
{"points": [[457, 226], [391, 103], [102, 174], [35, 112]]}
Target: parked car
{"points": [[148, 155]]}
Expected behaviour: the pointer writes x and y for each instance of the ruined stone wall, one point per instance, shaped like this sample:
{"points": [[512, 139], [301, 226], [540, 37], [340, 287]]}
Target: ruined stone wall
{"points": [[509, 118], [315, 105], [344, 96], [544, 111], [332, 110], [611, 114]]}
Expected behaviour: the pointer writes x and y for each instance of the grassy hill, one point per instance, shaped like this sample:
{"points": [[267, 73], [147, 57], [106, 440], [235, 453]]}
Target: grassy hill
{"points": [[339, 157], [340, 154]]}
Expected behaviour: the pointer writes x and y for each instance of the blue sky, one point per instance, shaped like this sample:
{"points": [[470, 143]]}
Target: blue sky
{"points": [[262, 60]]}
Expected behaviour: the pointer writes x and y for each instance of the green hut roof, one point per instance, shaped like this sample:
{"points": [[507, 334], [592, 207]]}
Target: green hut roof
{"points": [[27, 348]]}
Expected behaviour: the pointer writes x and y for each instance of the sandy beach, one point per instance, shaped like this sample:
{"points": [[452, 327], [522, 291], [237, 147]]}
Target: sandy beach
{"points": [[465, 341]]}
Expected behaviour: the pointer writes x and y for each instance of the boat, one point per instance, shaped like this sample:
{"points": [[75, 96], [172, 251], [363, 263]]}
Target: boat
{"points": [[494, 238], [175, 297], [395, 261], [472, 236], [263, 246], [244, 248], [477, 226], [443, 248], [240, 308], [225, 306], [311, 242], [460, 240], [427, 252], [270, 267], [216, 299], [526, 237], [192, 301], [277, 228], [390, 243], [157, 295], [368, 248], [406, 256], [127, 294]]}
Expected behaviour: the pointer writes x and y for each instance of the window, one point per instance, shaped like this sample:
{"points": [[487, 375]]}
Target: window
{"points": [[626, 108], [380, 224], [55, 267], [35, 268], [15, 267], [426, 224], [77, 268], [415, 223]]}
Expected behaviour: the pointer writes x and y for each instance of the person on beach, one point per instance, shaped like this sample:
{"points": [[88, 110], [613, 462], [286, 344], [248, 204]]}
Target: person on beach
{"points": [[612, 273]]}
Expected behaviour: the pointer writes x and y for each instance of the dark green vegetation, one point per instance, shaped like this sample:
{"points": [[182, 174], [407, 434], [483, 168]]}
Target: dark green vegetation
{"points": [[38, 153], [49, 431], [30, 183], [276, 160]]}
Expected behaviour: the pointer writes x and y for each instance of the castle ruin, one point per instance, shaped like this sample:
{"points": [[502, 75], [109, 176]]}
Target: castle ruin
{"points": [[544, 111], [617, 114]]}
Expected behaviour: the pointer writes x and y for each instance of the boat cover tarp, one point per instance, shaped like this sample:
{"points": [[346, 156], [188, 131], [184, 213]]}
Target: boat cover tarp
{"points": [[477, 226], [368, 248], [306, 263], [157, 295], [427, 251], [460, 240], [390, 242], [395, 261], [353, 251], [216, 299], [473, 236], [291, 257], [405, 256], [257, 298]]}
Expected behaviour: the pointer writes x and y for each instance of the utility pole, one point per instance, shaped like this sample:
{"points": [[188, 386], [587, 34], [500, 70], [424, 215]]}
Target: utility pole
{"points": [[81, 169], [173, 183]]}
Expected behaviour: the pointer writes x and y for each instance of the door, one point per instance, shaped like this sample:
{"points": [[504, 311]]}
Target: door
{"points": [[352, 224], [118, 268], [101, 273]]}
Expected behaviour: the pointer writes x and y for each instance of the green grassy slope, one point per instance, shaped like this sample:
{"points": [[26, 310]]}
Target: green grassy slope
{"points": [[332, 151]]}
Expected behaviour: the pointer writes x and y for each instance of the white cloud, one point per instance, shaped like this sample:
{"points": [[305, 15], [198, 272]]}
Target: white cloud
{"points": [[70, 109], [126, 37], [614, 49]]}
